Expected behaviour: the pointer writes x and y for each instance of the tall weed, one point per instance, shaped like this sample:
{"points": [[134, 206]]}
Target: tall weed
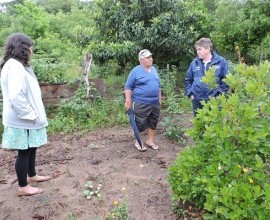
{"points": [[174, 100], [174, 104]]}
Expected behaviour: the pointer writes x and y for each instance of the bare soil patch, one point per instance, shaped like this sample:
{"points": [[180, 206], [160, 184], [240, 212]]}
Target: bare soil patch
{"points": [[105, 156]]}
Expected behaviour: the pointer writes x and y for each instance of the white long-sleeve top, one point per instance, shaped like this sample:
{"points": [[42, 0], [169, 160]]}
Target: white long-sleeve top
{"points": [[22, 100]]}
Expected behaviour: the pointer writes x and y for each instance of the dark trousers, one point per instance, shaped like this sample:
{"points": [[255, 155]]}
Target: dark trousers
{"points": [[146, 115], [196, 105], [25, 165]]}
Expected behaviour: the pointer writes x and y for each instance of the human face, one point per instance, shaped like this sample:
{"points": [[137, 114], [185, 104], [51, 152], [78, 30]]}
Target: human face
{"points": [[203, 53], [147, 61]]}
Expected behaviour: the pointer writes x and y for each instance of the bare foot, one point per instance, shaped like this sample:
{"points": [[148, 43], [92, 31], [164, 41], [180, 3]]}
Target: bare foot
{"points": [[37, 178], [29, 191]]}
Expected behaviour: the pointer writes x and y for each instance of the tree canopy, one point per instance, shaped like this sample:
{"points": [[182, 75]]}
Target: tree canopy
{"points": [[115, 31]]}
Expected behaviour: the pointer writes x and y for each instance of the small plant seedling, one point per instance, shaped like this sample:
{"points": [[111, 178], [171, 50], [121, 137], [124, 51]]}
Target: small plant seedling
{"points": [[90, 191]]}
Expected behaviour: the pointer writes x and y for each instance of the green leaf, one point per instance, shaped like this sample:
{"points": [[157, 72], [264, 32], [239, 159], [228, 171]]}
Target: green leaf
{"points": [[259, 162], [86, 192]]}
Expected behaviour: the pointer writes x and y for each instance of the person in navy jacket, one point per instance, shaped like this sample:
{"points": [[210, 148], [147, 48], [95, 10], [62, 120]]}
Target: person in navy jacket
{"points": [[196, 90]]}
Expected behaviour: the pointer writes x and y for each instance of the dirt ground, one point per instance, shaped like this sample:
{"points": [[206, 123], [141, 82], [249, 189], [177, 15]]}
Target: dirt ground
{"points": [[105, 156]]}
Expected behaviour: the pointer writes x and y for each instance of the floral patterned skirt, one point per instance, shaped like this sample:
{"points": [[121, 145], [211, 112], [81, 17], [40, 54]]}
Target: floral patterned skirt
{"points": [[22, 139]]}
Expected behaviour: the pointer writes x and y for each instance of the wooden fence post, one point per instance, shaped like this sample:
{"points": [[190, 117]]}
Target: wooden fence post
{"points": [[87, 60]]}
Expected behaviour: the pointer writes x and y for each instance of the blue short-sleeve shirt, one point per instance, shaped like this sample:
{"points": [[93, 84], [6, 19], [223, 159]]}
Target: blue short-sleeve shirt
{"points": [[145, 86]]}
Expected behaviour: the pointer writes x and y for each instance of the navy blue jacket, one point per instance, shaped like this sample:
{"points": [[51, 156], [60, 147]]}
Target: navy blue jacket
{"points": [[196, 70]]}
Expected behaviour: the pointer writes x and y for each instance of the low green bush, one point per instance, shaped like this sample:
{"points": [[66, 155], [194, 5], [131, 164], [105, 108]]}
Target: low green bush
{"points": [[82, 112], [227, 172], [173, 130]]}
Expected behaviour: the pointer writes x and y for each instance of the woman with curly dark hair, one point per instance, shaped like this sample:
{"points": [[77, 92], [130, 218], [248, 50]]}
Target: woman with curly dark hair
{"points": [[24, 116]]}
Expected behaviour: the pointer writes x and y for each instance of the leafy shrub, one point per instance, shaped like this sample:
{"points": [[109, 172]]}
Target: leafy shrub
{"points": [[104, 71], [174, 103], [56, 60], [227, 172], [82, 112], [51, 73], [173, 130], [173, 98]]}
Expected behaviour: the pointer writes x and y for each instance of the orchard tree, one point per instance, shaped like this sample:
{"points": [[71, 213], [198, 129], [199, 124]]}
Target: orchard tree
{"points": [[76, 25], [56, 56], [124, 27], [244, 25], [54, 6], [27, 18]]}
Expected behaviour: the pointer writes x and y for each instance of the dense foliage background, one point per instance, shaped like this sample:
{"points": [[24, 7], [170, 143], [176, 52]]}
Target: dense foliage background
{"points": [[231, 156], [114, 32]]}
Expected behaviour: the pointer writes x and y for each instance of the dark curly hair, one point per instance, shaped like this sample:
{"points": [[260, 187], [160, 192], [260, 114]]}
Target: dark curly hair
{"points": [[17, 47]]}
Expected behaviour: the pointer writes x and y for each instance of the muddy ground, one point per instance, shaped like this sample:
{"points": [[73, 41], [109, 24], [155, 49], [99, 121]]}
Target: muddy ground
{"points": [[105, 156]]}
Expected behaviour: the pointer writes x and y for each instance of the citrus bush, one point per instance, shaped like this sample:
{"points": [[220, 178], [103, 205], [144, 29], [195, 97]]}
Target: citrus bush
{"points": [[227, 172]]}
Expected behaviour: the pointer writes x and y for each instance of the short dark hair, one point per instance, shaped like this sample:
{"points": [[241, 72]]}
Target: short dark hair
{"points": [[205, 43], [17, 47]]}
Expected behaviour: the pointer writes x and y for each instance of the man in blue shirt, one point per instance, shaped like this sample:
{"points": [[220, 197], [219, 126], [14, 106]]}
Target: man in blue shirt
{"points": [[196, 90], [143, 96]]}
